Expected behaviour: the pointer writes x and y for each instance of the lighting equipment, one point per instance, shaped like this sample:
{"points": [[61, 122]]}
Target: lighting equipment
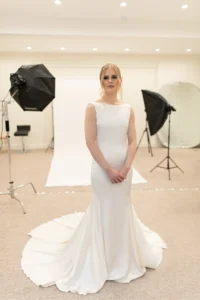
{"points": [[33, 88], [158, 109]]}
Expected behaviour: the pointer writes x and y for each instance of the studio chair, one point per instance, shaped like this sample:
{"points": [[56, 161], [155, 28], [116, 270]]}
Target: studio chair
{"points": [[22, 130]]}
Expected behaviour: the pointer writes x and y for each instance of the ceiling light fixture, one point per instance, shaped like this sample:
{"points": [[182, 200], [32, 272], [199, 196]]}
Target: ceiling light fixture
{"points": [[123, 4], [184, 6], [57, 2]]}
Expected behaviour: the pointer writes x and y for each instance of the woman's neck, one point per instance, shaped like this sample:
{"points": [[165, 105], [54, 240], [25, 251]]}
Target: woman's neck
{"points": [[111, 99]]}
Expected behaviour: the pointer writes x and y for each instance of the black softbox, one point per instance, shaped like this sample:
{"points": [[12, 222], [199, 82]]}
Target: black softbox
{"points": [[157, 109], [32, 87]]}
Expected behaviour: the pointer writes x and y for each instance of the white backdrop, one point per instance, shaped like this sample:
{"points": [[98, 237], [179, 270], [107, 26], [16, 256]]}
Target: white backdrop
{"points": [[71, 163]]}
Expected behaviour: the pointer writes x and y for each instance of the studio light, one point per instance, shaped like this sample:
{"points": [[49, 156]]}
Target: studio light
{"points": [[33, 88], [157, 111]]}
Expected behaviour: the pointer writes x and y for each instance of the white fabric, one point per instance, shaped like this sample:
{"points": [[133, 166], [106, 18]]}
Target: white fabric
{"points": [[80, 251]]}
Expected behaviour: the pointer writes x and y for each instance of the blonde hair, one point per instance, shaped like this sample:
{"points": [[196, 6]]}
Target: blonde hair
{"points": [[103, 71]]}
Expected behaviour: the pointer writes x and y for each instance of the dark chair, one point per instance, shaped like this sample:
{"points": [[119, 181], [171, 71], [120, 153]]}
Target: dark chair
{"points": [[22, 130]]}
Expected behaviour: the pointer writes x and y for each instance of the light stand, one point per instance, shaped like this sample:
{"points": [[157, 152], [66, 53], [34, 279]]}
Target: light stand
{"points": [[11, 189], [146, 130], [51, 144], [168, 158]]}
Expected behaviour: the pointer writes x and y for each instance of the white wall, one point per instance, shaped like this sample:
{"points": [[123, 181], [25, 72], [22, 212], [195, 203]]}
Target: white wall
{"points": [[139, 72]]}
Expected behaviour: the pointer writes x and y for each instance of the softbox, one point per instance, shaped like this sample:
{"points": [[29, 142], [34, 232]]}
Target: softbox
{"points": [[32, 87], [157, 109]]}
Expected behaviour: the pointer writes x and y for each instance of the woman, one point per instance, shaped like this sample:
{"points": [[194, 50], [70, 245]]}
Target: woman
{"points": [[79, 252]]}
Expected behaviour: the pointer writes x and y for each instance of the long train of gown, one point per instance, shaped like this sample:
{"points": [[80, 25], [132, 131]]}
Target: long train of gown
{"points": [[80, 251]]}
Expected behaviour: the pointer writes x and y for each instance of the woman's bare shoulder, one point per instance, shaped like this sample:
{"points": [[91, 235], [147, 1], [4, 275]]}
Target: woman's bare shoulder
{"points": [[93, 104], [90, 109]]}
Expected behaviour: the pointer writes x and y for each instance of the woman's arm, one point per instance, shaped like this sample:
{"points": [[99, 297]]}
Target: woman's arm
{"points": [[132, 145], [132, 141], [90, 138]]}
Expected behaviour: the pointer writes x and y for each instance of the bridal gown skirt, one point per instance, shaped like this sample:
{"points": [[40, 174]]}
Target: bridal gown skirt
{"points": [[80, 251]]}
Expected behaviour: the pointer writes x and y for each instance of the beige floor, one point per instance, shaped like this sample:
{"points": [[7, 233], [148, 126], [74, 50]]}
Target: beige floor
{"points": [[171, 208]]}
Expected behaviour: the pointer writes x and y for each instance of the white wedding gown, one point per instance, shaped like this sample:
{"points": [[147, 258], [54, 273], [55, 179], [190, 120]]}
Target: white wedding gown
{"points": [[80, 251]]}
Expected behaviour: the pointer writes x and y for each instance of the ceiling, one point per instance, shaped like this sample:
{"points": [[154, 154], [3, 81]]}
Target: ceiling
{"points": [[79, 26]]}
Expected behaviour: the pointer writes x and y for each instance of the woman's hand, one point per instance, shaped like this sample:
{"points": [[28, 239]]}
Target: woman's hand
{"points": [[114, 175], [124, 171]]}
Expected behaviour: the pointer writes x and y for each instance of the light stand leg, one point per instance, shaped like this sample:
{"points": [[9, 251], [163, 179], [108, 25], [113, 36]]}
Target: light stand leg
{"points": [[11, 188], [141, 138], [23, 145], [51, 144], [148, 140], [168, 158]]}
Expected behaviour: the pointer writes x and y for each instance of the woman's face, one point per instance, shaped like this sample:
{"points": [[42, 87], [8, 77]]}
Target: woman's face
{"points": [[110, 81]]}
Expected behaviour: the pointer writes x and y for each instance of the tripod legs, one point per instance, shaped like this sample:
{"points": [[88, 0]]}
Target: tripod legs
{"points": [[168, 166], [168, 158], [12, 190], [148, 141]]}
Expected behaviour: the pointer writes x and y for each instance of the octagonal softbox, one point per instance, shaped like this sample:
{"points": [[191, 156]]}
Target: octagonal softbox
{"points": [[32, 87]]}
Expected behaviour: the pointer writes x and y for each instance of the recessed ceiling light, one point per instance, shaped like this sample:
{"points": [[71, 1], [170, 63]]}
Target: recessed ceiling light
{"points": [[57, 2], [188, 50], [123, 4], [28, 47], [157, 50], [62, 48], [127, 49], [94, 49], [184, 6]]}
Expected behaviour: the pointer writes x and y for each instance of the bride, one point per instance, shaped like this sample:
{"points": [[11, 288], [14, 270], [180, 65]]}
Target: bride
{"points": [[80, 251]]}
